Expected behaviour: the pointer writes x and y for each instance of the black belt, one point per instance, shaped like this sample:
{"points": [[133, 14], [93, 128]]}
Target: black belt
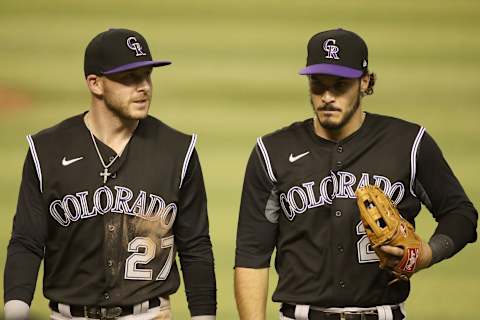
{"points": [[96, 312], [288, 310]]}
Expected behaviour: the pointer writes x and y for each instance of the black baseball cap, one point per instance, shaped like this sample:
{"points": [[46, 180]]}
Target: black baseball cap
{"points": [[118, 50], [336, 52]]}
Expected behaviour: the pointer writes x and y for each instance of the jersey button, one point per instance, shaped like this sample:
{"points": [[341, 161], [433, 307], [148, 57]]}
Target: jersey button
{"points": [[111, 227], [340, 149], [341, 284], [110, 263], [106, 296], [340, 248], [110, 159], [338, 213], [339, 163]]}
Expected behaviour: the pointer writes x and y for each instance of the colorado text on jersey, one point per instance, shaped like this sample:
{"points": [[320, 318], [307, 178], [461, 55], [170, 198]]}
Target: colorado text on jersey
{"points": [[71, 208], [340, 184]]}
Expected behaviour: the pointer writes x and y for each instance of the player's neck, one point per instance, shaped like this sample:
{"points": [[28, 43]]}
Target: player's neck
{"points": [[109, 128], [336, 135]]}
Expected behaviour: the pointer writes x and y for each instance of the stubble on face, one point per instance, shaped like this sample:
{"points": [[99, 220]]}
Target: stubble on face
{"points": [[334, 100], [128, 95], [122, 108], [330, 124]]}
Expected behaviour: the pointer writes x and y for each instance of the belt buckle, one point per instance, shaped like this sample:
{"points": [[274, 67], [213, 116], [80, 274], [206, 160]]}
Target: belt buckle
{"points": [[352, 315], [91, 312], [110, 313]]}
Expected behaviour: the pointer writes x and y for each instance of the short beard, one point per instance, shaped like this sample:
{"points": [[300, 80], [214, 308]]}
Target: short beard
{"points": [[337, 126], [119, 112]]}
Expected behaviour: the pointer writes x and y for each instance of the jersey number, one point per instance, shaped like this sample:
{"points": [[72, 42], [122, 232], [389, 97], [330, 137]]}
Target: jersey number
{"points": [[365, 252], [144, 257]]}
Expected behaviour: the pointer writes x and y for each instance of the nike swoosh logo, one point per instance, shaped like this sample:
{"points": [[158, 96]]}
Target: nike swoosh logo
{"points": [[293, 158], [66, 162]]}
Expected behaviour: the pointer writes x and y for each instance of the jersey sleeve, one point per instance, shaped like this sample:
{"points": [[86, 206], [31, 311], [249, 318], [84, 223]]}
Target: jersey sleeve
{"points": [[193, 242], [439, 189], [26, 248], [258, 217]]}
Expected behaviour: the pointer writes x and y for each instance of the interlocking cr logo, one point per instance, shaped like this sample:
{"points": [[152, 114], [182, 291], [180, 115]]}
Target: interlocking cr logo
{"points": [[133, 44], [331, 49]]}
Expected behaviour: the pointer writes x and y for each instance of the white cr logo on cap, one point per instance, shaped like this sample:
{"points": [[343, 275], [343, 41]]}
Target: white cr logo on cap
{"points": [[331, 49], [133, 44]]}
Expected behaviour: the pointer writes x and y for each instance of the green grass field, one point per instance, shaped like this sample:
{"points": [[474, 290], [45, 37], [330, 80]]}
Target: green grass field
{"points": [[233, 78]]}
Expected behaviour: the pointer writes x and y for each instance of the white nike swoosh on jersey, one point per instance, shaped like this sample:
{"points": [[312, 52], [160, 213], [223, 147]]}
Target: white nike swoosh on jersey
{"points": [[293, 158], [66, 162]]}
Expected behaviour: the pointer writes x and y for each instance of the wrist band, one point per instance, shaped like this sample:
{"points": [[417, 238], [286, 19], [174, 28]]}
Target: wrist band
{"points": [[442, 247]]}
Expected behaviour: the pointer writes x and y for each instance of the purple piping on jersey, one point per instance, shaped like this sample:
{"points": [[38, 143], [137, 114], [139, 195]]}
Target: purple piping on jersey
{"points": [[136, 65], [332, 69]]}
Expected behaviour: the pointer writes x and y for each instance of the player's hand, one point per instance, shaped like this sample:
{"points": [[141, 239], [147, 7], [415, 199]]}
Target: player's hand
{"points": [[395, 254]]}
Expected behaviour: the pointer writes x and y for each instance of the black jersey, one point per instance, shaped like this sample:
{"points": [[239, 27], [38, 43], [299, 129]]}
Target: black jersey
{"points": [[299, 197], [111, 240]]}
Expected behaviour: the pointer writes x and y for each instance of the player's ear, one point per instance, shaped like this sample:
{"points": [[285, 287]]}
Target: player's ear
{"points": [[94, 84], [364, 82]]}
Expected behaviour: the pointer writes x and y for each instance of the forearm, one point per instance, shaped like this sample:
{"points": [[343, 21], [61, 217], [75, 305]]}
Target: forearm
{"points": [[20, 277], [452, 234], [200, 287], [21, 270], [26, 248], [251, 289], [459, 229]]}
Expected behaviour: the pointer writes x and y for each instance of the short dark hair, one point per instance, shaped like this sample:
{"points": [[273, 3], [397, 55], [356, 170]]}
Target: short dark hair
{"points": [[371, 84]]}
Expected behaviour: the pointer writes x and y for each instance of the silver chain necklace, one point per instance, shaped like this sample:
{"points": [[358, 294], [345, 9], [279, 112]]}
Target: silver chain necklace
{"points": [[105, 173]]}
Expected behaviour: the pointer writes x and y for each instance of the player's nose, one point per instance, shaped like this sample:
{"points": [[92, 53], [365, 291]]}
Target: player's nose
{"points": [[327, 97], [144, 85]]}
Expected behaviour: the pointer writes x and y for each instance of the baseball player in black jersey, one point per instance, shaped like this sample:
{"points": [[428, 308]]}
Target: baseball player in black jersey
{"points": [[107, 199], [299, 197]]}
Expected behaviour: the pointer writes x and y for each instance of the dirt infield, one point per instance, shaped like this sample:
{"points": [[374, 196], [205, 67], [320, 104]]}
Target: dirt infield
{"points": [[13, 99]]}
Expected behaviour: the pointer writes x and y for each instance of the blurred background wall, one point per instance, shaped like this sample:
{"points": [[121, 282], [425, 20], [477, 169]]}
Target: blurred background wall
{"points": [[233, 78]]}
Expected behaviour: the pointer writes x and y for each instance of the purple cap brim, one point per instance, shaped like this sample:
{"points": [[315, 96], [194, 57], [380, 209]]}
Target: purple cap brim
{"points": [[332, 69], [135, 65]]}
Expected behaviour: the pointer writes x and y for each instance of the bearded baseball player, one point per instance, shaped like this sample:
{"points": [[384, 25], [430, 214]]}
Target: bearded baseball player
{"points": [[299, 197], [107, 199]]}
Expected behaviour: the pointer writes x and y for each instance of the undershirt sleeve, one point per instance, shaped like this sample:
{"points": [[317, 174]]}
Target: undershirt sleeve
{"points": [[258, 217], [26, 247], [192, 238], [442, 193]]}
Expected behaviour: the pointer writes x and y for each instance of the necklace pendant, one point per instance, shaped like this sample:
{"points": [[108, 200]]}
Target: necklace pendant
{"points": [[105, 174]]}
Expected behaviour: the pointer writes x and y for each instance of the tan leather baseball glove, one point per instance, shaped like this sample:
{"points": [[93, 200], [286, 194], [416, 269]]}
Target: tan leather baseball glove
{"points": [[385, 226]]}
